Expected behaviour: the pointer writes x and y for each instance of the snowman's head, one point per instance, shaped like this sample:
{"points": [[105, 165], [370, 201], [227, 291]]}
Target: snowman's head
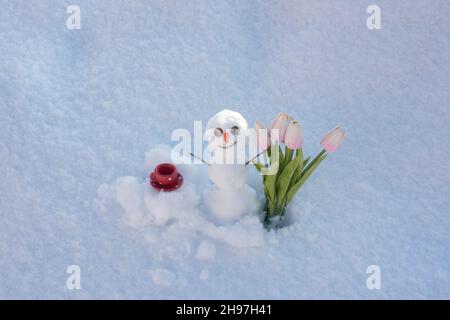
{"points": [[228, 128]]}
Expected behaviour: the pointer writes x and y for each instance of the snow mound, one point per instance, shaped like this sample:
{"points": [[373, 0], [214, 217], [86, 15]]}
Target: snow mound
{"points": [[171, 224], [206, 251]]}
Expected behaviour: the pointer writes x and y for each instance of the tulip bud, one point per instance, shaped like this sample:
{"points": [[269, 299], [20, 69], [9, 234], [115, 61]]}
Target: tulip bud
{"points": [[281, 123], [294, 136], [333, 139], [262, 137]]}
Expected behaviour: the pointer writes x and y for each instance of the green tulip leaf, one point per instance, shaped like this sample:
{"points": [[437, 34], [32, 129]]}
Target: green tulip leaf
{"points": [[306, 174], [305, 162], [280, 159], [269, 185], [316, 158], [285, 177], [288, 155], [298, 170], [258, 166]]}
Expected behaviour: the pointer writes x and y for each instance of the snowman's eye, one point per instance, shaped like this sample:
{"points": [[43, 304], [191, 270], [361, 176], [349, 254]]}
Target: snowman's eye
{"points": [[235, 130], [218, 132]]}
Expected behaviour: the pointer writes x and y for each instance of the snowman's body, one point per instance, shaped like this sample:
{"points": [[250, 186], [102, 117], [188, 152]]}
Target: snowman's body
{"points": [[230, 198], [228, 176]]}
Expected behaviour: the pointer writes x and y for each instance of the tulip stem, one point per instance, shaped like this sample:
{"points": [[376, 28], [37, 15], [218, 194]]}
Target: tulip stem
{"points": [[310, 164]]}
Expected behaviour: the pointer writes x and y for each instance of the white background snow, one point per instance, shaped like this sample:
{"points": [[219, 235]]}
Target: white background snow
{"points": [[85, 114]]}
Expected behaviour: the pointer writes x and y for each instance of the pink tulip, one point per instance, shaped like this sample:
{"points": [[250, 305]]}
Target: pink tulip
{"points": [[281, 123], [333, 139], [294, 136], [262, 137]]}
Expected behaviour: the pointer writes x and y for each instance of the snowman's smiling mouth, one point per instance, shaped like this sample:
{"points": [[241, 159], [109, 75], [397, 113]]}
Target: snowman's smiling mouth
{"points": [[228, 146]]}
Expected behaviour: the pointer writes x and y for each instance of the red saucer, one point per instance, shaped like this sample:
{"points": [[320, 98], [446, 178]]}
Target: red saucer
{"points": [[171, 187]]}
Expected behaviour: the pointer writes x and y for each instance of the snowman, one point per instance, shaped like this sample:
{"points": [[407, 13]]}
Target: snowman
{"points": [[230, 197]]}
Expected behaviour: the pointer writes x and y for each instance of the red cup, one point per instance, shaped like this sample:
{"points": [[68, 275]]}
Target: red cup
{"points": [[164, 174]]}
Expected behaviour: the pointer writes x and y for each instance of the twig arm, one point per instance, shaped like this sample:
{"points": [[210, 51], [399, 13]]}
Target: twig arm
{"points": [[248, 161], [194, 156]]}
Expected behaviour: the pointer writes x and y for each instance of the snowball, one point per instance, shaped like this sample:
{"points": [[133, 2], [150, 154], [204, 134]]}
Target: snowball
{"points": [[226, 119]]}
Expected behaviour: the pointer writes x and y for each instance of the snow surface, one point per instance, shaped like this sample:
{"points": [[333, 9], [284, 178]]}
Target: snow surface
{"points": [[79, 109]]}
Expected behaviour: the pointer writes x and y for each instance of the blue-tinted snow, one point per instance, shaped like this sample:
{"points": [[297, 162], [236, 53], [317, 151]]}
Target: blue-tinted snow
{"points": [[79, 108]]}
